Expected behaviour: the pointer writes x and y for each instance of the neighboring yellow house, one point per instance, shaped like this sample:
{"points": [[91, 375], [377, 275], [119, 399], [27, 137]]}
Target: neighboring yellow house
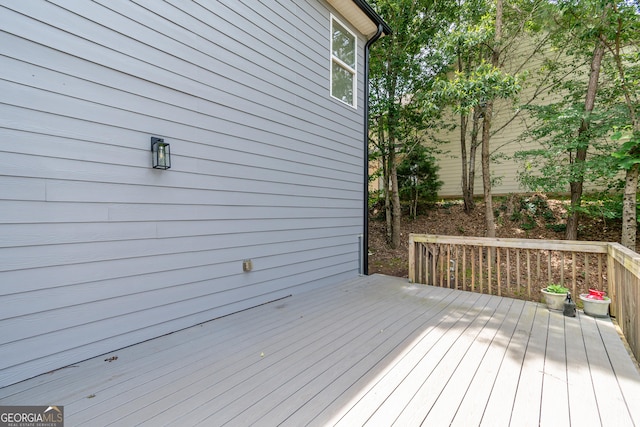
{"points": [[506, 130], [505, 141], [505, 170], [507, 126]]}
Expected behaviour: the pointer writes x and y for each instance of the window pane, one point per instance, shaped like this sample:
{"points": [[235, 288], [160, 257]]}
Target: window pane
{"points": [[344, 45], [341, 83]]}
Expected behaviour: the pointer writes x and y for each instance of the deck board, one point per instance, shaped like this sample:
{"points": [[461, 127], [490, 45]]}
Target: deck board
{"points": [[376, 363], [378, 393], [626, 374], [372, 351], [471, 407], [583, 408], [430, 391], [499, 407], [611, 403], [442, 412], [555, 395]]}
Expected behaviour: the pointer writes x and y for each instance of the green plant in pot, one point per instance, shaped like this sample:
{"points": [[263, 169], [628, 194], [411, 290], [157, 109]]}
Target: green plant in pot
{"points": [[554, 296]]}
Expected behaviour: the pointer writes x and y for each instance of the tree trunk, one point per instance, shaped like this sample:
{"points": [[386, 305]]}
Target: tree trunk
{"points": [[468, 198], [486, 132], [581, 152], [387, 199], [486, 172], [629, 204], [576, 198], [395, 201], [468, 163], [473, 149]]}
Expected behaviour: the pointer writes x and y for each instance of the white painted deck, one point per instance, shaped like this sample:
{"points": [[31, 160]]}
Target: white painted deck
{"points": [[373, 351]]}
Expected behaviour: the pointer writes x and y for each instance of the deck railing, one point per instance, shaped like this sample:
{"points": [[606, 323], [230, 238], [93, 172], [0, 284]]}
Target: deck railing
{"points": [[520, 268]]}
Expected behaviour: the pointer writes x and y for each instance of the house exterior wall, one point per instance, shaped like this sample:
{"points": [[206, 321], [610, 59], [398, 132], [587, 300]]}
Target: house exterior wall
{"points": [[97, 249], [504, 170], [507, 127]]}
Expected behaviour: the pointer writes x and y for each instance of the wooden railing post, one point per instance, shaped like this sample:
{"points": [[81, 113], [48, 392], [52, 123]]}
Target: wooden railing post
{"points": [[612, 282], [412, 259]]}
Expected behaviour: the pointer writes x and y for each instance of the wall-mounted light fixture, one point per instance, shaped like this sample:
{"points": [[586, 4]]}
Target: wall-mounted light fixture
{"points": [[160, 153]]}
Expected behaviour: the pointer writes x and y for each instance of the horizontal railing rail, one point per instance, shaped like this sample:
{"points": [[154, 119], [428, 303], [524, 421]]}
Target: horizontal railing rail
{"points": [[520, 268]]}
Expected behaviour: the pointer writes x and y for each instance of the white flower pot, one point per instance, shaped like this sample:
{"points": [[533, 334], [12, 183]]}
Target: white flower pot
{"points": [[554, 301], [595, 307]]}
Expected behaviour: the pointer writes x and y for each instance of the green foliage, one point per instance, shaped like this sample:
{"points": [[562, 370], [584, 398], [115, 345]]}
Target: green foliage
{"points": [[375, 199], [555, 127], [528, 225], [401, 69], [418, 176], [628, 154], [558, 228], [548, 215], [576, 28], [468, 90], [528, 212], [556, 289], [402, 65], [604, 205], [527, 209], [448, 204]]}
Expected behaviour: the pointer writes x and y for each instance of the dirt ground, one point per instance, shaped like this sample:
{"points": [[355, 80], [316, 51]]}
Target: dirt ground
{"points": [[530, 218]]}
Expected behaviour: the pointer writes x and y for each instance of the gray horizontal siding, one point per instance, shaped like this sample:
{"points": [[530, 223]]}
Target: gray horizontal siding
{"points": [[98, 250], [252, 103]]}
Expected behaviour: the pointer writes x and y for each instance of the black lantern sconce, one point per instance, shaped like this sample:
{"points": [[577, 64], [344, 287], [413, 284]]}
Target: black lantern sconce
{"points": [[160, 153]]}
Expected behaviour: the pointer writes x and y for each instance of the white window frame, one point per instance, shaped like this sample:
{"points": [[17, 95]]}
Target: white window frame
{"points": [[335, 60]]}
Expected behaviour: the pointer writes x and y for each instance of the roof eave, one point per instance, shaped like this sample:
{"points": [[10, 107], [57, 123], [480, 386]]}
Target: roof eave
{"points": [[361, 15]]}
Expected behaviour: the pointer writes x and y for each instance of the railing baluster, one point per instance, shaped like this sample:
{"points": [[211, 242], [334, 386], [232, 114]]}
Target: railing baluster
{"points": [[473, 269], [498, 271], [528, 274], [586, 270], [448, 266], [437, 277], [422, 265], [600, 278], [490, 252], [480, 269], [456, 262], [464, 268], [518, 268], [508, 269], [438, 266], [414, 272], [573, 272]]}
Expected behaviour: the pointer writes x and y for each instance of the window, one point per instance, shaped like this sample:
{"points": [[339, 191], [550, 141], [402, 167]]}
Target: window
{"points": [[343, 63]]}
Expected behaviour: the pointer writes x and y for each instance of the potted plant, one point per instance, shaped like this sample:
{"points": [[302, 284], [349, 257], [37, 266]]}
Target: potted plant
{"points": [[554, 296], [596, 303]]}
